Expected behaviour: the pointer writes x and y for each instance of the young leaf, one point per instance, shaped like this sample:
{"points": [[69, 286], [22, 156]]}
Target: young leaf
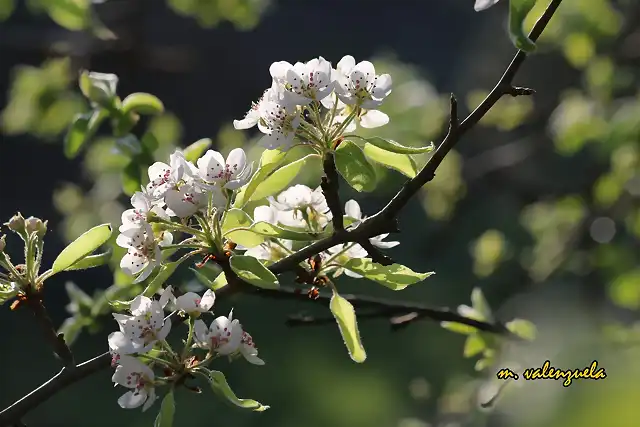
{"points": [[354, 167], [71, 14], [281, 178], [92, 261], [523, 329], [167, 411], [473, 345], [480, 304], [403, 163], [8, 291], [161, 277], [88, 242], [459, 328], [269, 161], [220, 282], [394, 276], [270, 230], [76, 135], [345, 315], [252, 271], [220, 386], [142, 103], [236, 218], [194, 151], [518, 11], [392, 146]]}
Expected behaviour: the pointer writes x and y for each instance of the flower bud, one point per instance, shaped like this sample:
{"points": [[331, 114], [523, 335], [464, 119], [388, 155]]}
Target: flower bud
{"points": [[36, 224], [3, 244], [16, 223], [99, 88]]}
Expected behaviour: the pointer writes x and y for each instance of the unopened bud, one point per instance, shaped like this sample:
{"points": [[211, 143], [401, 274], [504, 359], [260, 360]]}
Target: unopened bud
{"points": [[3, 244], [99, 88], [16, 223], [36, 224]]}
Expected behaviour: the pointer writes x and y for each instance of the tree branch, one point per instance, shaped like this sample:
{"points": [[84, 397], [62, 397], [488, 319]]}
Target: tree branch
{"points": [[383, 222], [330, 185], [34, 303]]}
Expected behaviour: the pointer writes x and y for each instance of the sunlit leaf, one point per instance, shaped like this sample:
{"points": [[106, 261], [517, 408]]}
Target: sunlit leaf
{"points": [[167, 411], [394, 276], [354, 167], [345, 315], [252, 271], [6, 9], [282, 178], [518, 11], [71, 14], [8, 291], [473, 345], [392, 146], [92, 261], [459, 328], [269, 161], [194, 151], [270, 230], [220, 386], [76, 135], [142, 103], [236, 218], [403, 163], [81, 247], [480, 304], [522, 328]]}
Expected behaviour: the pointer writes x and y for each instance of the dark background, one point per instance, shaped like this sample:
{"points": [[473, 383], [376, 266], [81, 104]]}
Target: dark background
{"points": [[207, 77]]}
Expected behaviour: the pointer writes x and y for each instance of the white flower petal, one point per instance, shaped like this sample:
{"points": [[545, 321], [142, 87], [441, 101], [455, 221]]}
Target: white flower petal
{"points": [[373, 119]]}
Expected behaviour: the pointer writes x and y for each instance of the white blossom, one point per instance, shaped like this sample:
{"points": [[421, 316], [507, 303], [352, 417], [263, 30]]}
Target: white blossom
{"points": [[368, 119], [119, 345], [266, 213], [484, 4], [185, 200], [249, 351], [224, 336], [194, 303], [134, 374], [146, 324], [143, 205], [163, 177], [352, 209], [276, 118], [231, 173], [358, 83], [303, 82], [299, 206], [342, 253], [271, 251], [143, 253]]}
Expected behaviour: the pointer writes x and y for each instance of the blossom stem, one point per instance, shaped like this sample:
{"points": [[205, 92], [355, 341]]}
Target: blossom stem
{"points": [[8, 265], [183, 246], [179, 227], [157, 360], [336, 255], [332, 116], [187, 345], [344, 124]]}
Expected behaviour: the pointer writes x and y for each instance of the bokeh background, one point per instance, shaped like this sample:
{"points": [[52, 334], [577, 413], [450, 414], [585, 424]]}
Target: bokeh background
{"points": [[537, 206]]}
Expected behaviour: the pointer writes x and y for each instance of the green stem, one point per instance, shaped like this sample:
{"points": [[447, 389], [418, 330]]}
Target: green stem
{"points": [[187, 345], [8, 265], [328, 262], [157, 360], [345, 123], [332, 116], [167, 347], [181, 246]]}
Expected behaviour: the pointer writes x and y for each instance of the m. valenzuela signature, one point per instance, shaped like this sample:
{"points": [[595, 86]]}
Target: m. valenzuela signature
{"points": [[548, 372]]}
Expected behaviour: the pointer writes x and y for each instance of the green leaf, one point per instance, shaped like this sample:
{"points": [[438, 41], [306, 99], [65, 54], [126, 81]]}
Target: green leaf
{"points": [[164, 273], [518, 11], [131, 179], [220, 386], [70, 14], [391, 146], [269, 161], [6, 9], [354, 167], [459, 328], [142, 103], [345, 315], [219, 282], [270, 230], [473, 345], [238, 219], [76, 135], [403, 163], [194, 151], [480, 304], [252, 271], [394, 276], [282, 178], [92, 261], [81, 247], [167, 411], [522, 328]]}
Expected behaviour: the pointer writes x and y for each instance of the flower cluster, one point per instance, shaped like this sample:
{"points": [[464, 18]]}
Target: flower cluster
{"points": [[143, 333], [178, 189], [291, 107]]}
